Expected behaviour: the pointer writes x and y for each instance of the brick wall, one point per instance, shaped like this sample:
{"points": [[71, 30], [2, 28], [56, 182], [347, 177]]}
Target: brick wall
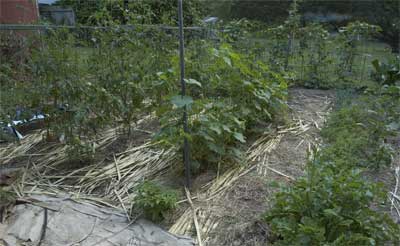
{"points": [[18, 11]]}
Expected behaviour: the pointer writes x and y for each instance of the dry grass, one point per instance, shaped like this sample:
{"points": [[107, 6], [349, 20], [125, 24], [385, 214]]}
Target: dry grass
{"points": [[106, 182]]}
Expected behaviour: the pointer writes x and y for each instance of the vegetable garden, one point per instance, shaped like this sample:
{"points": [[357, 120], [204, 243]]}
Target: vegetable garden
{"points": [[100, 86]]}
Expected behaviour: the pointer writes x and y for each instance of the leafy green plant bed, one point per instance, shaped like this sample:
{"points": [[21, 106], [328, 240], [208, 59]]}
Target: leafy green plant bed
{"points": [[334, 204], [331, 206]]}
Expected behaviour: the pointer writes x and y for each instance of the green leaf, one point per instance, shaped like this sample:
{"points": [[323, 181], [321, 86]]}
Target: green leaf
{"points": [[226, 128], [227, 61], [239, 136], [216, 148], [393, 126], [236, 152], [237, 121], [193, 82], [216, 129], [181, 101], [346, 223], [330, 213]]}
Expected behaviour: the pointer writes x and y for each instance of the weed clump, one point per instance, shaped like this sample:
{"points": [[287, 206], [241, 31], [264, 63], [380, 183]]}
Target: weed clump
{"points": [[155, 201]]}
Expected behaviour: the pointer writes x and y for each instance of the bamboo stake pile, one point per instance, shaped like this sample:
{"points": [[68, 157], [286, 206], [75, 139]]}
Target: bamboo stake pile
{"points": [[14, 150], [108, 182], [126, 171]]}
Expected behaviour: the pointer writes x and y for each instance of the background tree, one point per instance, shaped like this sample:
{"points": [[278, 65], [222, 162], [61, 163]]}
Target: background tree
{"points": [[135, 12]]}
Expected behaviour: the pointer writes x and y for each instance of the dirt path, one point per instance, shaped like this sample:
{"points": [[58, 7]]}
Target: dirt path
{"points": [[233, 217]]}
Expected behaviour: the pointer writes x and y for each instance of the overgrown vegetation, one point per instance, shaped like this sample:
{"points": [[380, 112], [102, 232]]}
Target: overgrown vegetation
{"points": [[314, 57], [87, 80]]}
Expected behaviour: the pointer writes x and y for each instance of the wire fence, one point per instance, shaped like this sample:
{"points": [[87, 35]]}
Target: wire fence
{"points": [[321, 63]]}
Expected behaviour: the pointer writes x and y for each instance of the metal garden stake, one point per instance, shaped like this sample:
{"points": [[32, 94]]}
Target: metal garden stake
{"points": [[186, 149]]}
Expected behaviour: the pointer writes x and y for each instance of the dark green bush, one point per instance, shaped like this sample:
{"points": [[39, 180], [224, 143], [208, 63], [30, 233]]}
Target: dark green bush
{"points": [[330, 206]]}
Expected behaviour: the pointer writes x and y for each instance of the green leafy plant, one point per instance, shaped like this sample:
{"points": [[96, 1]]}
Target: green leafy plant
{"points": [[387, 76], [80, 152], [85, 80], [228, 96], [331, 206], [155, 201], [133, 12], [355, 134], [216, 134]]}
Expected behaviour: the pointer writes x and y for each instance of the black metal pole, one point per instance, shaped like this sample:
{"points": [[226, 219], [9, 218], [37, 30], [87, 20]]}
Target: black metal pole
{"points": [[186, 148]]}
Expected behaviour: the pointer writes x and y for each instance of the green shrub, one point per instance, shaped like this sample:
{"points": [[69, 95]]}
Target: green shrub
{"points": [[155, 201], [314, 55], [330, 206]]}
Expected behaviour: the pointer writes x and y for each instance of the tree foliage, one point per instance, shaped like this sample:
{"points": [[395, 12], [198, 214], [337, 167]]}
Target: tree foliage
{"points": [[135, 12]]}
